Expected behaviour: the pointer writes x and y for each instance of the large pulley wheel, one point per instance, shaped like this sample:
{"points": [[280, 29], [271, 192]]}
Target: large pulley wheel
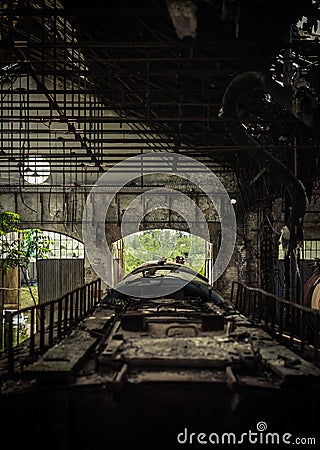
{"points": [[315, 299]]}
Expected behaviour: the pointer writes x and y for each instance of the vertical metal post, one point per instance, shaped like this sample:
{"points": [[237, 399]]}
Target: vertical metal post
{"points": [[32, 331], [65, 315], [51, 320], [59, 320], [254, 308], [10, 345], [287, 258], [76, 308], [42, 328], [232, 291], [303, 330], [281, 313], [71, 307]]}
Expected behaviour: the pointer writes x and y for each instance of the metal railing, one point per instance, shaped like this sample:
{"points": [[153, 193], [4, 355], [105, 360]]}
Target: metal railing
{"points": [[294, 325], [49, 322]]}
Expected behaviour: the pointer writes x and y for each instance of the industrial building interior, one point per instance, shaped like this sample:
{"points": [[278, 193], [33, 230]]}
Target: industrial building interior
{"points": [[232, 86]]}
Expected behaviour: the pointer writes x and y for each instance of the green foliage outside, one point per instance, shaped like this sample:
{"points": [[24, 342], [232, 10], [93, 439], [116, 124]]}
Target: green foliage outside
{"points": [[155, 244], [25, 297], [9, 221], [17, 252], [18, 246]]}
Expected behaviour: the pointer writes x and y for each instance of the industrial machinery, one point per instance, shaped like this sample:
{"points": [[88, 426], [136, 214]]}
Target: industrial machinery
{"points": [[311, 289]]}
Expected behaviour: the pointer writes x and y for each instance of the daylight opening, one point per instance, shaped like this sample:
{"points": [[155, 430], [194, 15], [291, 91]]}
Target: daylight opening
{"points": [[169, 244]]}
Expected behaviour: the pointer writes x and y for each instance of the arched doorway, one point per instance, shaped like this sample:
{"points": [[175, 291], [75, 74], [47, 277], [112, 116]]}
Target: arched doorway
{"points": [[148, 245]]}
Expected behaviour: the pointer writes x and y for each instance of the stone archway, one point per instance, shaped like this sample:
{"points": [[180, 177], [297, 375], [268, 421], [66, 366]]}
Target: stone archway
{"points": [[155, 244]]}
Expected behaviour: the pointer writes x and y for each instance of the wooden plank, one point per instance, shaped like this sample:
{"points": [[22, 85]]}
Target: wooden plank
{"points": [[61, 362]]}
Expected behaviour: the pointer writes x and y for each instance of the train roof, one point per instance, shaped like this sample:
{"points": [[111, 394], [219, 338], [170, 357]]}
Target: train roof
{"points": [[166, 266]]}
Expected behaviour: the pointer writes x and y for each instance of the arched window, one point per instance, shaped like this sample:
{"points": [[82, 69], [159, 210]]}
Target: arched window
{"points": [[63, 246], [36, 170]]}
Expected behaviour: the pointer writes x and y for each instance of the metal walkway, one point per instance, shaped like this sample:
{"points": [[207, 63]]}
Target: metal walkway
{"points": [[48, 323]]}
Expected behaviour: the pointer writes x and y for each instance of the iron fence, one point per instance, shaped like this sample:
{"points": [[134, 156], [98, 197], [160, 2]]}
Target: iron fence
{"points": [[290, 323], [48, 323]]}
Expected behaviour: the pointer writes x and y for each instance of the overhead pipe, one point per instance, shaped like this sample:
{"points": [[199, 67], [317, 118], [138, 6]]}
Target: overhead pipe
{"points": [[250, 82]]}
